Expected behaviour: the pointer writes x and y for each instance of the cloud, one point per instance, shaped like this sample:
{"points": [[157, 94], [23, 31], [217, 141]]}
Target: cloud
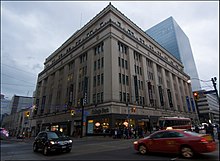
{"points": [[31, 31]]}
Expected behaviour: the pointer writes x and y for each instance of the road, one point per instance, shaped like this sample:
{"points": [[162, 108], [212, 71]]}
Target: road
{"points": [[90, 148]]}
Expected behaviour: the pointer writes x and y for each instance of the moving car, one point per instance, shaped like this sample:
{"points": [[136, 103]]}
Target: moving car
{"points": [[50, 141], [180, 141], [3, 133]]}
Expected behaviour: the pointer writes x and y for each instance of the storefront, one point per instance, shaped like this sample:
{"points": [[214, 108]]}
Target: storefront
{"points": [[104, 124], [64, 127]]}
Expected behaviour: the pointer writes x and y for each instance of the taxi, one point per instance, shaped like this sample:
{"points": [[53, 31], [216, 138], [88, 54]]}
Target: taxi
{"points": [[183, 142]]}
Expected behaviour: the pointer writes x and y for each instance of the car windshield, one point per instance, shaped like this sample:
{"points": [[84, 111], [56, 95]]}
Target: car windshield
{"points": [[52, 135], [60, 134]]}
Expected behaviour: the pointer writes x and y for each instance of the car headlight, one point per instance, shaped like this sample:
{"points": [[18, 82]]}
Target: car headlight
{"points": [[136, 142], [70, 141], [52, 142]]}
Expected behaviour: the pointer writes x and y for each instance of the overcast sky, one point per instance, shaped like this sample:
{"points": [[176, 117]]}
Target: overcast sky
{"points": [[31, 31]]}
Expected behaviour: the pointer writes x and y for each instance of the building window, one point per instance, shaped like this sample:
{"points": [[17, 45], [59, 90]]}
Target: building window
{"points": [[94, 98], [128, 97], [98, 81], [94, 81], [122, 48], [119, 61], [126, 64], [99, 48], [120, 96], [123, 78], [119, 78], [98, 98], [102, 78], [122, 63], [94, 65], [101, 96], [142, 87], [124, 97], [127, 81], [99, 64]]}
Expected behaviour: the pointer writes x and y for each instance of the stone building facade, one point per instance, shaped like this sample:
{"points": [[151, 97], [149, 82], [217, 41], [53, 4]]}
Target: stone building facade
{"points": [[117, 72]]}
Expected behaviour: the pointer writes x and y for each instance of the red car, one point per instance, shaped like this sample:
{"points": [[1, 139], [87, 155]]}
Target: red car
{"points": [[182, 142]]}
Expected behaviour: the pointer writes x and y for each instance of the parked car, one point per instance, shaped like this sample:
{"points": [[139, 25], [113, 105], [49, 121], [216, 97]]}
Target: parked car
{"points": [[50, 141], [185, 143], [20, 136]]}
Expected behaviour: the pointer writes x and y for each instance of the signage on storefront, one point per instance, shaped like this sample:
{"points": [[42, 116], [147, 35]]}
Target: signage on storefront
{"points": [[100, 111]]}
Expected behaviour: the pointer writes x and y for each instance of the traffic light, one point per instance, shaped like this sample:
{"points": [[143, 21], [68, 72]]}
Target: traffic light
{"points": [[72, 112], [196, 96], [27, 114]]}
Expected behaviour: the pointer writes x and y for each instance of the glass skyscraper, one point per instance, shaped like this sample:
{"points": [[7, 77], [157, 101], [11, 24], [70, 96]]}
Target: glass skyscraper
{"points": [[170, 36]]}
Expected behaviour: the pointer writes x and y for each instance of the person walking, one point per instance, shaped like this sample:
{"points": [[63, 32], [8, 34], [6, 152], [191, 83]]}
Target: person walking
{"points": [[210, 130]]}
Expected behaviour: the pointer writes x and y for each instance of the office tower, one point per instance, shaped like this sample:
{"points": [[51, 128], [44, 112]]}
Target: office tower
{"points": [[170, 36]]}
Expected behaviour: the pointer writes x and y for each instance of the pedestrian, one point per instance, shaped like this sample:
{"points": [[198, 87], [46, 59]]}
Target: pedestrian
{"points": [[210, 130], [218, 132], [196, 129], [116, 134]]}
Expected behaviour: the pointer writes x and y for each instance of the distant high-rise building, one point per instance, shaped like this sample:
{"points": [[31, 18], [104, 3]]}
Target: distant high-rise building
{"points": [[170, 36], [208, 107], [5, 106], [20, 102]]}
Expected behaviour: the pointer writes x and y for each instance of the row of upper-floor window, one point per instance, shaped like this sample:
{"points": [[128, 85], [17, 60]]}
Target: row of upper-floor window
{"points": [[122, 63], [99, 48], [97, 98], [137, 69], [99, 64], [125, 97], [98, 80]]}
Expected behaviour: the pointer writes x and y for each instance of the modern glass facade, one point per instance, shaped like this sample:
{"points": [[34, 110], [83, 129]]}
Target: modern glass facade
{"points": [[170, 36]]}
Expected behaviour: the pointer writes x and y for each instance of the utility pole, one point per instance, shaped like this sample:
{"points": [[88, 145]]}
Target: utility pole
{"points": [[214, 85]]}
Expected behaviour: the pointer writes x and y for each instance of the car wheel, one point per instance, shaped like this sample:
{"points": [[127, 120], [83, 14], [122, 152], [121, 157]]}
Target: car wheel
{"points": [[187, 152], [45, 150], [35, 148], [68, 150], [142, 149]]}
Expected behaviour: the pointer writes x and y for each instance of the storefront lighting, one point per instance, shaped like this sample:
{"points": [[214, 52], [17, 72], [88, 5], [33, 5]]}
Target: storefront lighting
{"points": [[97, 124], [90, 121], [125, 123]]}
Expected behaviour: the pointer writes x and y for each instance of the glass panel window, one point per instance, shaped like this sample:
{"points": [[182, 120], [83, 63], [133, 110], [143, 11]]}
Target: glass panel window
{"points": [[127, 81], [119, 77]]}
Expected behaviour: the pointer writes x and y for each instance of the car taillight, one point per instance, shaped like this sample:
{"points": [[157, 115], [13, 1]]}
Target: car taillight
{"points": [[203, 140]]}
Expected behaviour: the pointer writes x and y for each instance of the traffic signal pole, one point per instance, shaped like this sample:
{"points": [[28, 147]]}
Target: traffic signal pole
{"points": [[214, 85]]}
